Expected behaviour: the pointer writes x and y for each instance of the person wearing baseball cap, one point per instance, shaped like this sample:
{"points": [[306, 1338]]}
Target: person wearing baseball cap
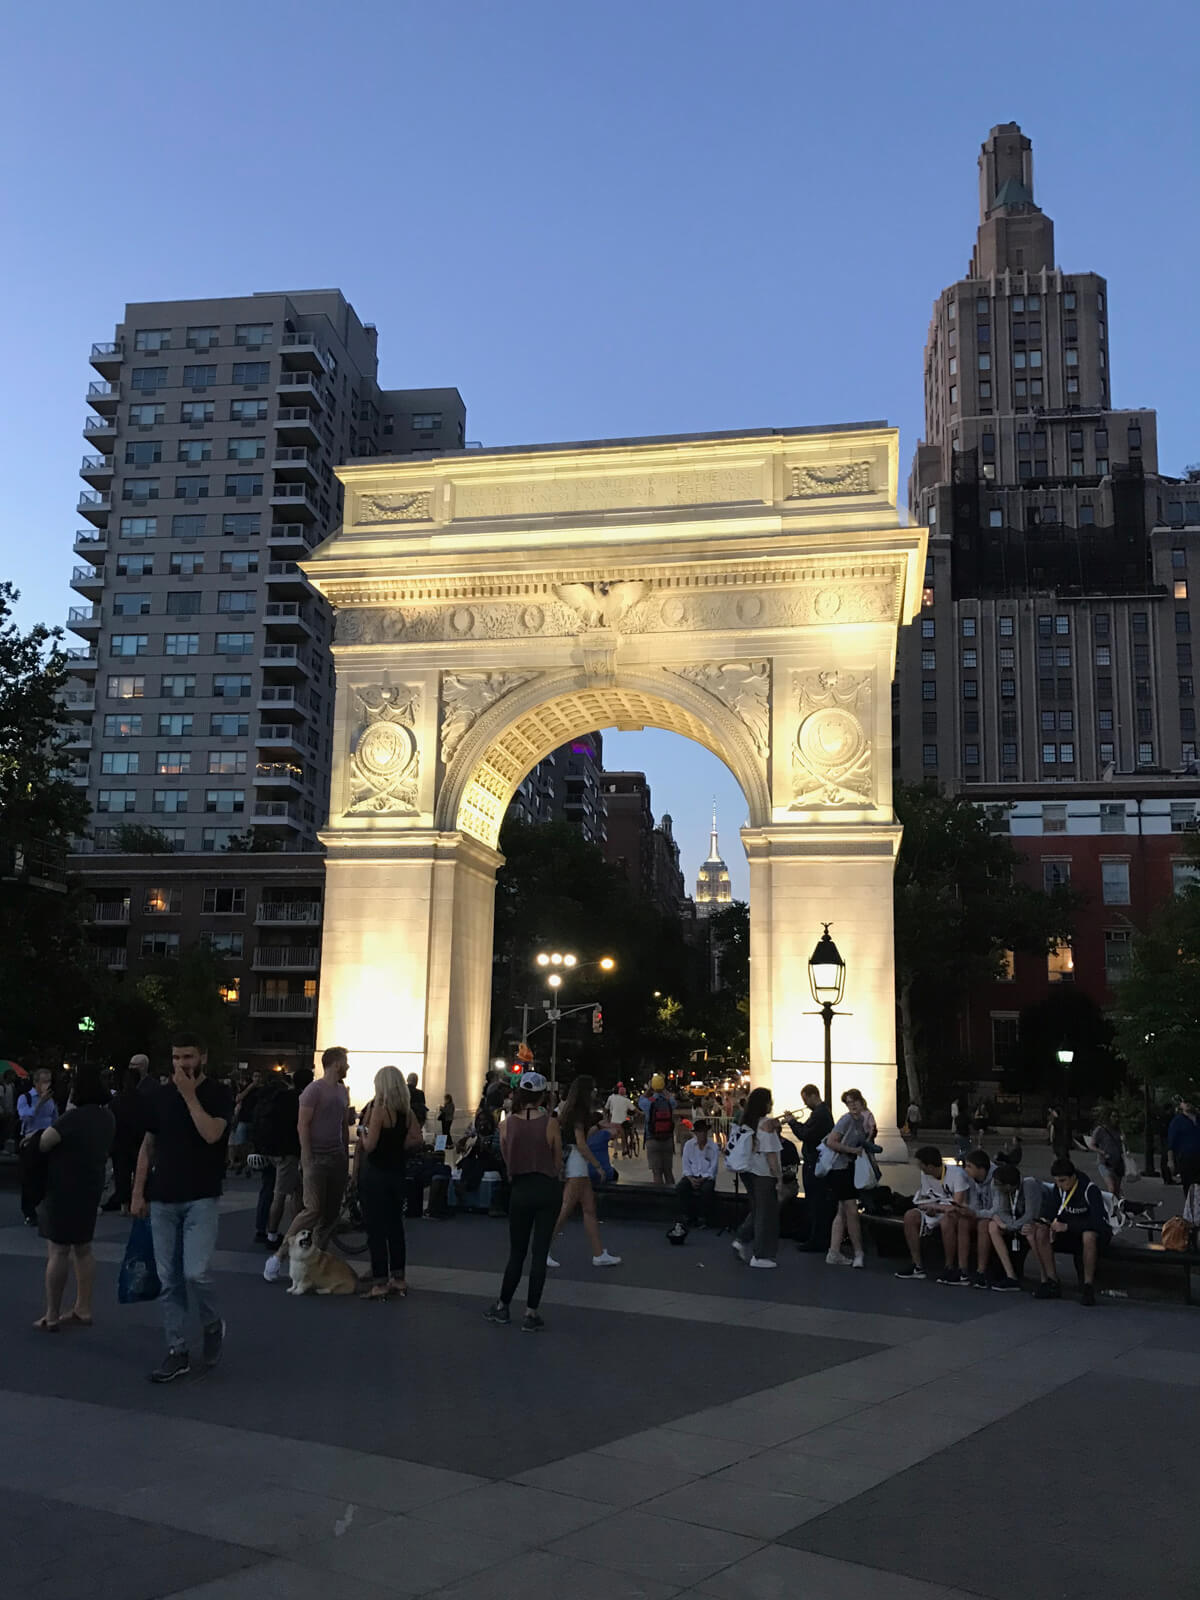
{"points": [[531, 1145]]}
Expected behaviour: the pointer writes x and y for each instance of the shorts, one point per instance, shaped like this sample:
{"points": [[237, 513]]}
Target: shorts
{"points": [[660, 1156], [577, 1166], [841, 1183], [928, 1224], [1113, 1174]]}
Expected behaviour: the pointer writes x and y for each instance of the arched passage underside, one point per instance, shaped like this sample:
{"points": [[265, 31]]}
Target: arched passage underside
{"points": [[510, 742]]}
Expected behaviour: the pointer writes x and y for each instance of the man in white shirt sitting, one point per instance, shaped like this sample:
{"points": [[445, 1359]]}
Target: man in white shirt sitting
{"points": [[933, 1210], [697, 1189]]}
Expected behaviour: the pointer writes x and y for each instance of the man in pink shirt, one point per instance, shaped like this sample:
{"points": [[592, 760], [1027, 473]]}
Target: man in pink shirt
{"points": [[323, 1125]]}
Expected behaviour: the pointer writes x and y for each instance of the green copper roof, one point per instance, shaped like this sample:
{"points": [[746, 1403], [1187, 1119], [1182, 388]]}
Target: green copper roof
{"points": [[1012, 192]]}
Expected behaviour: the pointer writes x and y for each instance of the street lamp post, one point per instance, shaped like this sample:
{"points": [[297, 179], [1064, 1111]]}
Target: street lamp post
{"points": [[827, 978], [1065, 1057], [556, 962]]}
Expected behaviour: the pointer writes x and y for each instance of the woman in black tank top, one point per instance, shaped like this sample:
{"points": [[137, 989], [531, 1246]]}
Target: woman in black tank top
{"points": [[381, 1182]]}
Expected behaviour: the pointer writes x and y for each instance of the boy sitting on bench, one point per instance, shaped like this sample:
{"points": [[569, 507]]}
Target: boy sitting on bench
{"points": [[1074, 1219], [933, 1210], [1016, 1212]]}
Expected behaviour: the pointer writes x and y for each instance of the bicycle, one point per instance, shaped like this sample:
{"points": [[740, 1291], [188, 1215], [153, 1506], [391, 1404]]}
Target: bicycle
{"points": [[350, 1230]]}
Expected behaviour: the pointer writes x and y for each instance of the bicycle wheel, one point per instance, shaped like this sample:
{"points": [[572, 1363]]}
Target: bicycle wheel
{"points": [[350, 1238]]}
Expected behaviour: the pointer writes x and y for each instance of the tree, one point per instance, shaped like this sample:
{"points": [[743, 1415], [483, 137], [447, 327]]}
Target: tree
{"points": [[1158, 1004], [959, 908], [135, 839], [255, 841], [41, 811], [185, 994]]}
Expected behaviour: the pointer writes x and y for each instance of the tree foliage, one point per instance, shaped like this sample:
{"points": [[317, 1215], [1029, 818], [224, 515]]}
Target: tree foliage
{"points": [[139, 1013], [1158, 1004]]}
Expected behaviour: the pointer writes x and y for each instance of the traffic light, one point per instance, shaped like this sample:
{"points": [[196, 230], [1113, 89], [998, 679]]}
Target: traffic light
{"points": [[597, 1019]]}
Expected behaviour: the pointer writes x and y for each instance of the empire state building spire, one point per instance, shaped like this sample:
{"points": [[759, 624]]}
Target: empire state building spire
{"points": [[712, 881]]}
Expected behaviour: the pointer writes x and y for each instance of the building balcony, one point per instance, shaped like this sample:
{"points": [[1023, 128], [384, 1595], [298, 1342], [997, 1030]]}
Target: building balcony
{"points": [[107, 357], [77, 773], [78, 703], [104, 398], [79, 738], [286, 620], [272, 812], [304, 352], [290, 538], [287, 913], [81, 662], [296, 462], [114, 957], [298, 387], [279, 737], [281, 700], [283, 1005], [100, 430], [87, 580], [92, 543], [285, 578], [285, 958], [110, 911], [296, 499], [96, 469], [285, 660], [283, 775], [297, 425], [95, 505], [85, 620]]}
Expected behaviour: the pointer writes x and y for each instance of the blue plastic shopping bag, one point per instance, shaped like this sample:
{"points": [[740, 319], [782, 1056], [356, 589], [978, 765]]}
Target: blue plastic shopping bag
{"points": [[139, 1276]]}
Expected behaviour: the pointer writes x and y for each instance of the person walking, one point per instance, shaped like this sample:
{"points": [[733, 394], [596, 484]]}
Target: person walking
{"points": [[852, 1134], [445, 1116], [1110, 1151], [323, 1124], [75, 1150], [531, 1143], [811, 1134], [391, 1129], [36, 1111], [658, 1108], [574, 1124], [763, 1177], [180, 1170], [1183, 1143]]}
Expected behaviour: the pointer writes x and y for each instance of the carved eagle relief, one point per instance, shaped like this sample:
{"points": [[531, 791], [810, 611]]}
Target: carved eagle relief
{"points": [[600, 605]]}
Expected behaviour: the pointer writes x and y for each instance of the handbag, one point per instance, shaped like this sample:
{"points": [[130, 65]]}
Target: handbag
{"points": [[825, 1161], [741, 1148], [1176, 1235], [865, 1175], [138, 1280]]}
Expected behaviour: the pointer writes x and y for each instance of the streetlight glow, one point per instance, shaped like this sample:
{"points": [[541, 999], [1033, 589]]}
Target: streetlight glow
{"points": [[543, 959], [555, 980], [569, 960], [556, 959], [607, 963]]}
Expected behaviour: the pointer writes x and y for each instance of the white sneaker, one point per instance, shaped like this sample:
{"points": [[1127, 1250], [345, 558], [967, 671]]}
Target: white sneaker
{"points": [[835, 1258], [741, 1249], [550, 1262], [858, 1260], [272, 1267], [606, 1260], [762, 1261]]}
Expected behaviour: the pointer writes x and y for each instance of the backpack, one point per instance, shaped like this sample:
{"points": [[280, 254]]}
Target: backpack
{"points": [[660, 1122], [739, 1149]]}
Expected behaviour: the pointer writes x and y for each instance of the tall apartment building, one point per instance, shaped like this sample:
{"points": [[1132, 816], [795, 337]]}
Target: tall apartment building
{"points": [[202, 701], [566, 786], [1055, 641]]}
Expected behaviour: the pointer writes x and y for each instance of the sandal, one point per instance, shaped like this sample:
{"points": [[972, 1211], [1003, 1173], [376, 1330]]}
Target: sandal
{"points": [[74, 1320], [378, 1291], [43, 1326], [398, 1288]]}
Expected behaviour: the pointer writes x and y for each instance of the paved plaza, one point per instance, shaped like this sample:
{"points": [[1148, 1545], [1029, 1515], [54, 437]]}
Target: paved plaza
{"points": [[683, 1426]]}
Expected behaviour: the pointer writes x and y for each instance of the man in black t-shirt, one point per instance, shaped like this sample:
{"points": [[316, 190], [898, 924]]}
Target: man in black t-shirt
{"points": [[179, 1173]]}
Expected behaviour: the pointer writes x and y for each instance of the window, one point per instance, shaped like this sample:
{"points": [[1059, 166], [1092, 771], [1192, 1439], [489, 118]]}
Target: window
{"points": [[243, 600], [970, 689], [172, 763], [1006, 627], [126, 688], [131, 605], [240, 562], [427, 421], [953, 368], [231, 686], [247, 449], [119, 763], [218, 839], [953, 394], [1178, 558], [928, 722], [251, 372], [928, 627], [191, 489], [234, 644], [995, 519], [225, 762], [1066, 722], [194, 411], [1068, 301], [1008, 688], [224, 943], [1114, 882], [162, 902], [1060, 964], [928, 689], [116, 799], [1087, 516], [1066, 755], [1047, 719], [1185, 688], [224, 902], [1107, 752], [163, 944], [970, 658], [143, 452], [1183, 622], [968, 627], [174, 724], [253, 334], [248, 411], [1054, 817], [1145, 754], [203, 338], [199, 377], [984, 361], [1049, 755], [183, 602], [243, 484], [181, 644], [928, 660], [195, 450], [1103, 656], [1035, 358], [241, 522], [140, 489], [148, 415], [1008, 754], [1019, 360], [224, 800], [1005, 1042], [1008, 656], [1062, 625], [1187, 719], [1116, 954], [1072, 358], [147, 379], [187, 563], [179, 686], [120, 725], [172, 802], [128, 644], [1104, 720], [1062, 656], [929, 755], [1072, 385], [971, 755], [228, 725], [188, 526], [1102, 466]]}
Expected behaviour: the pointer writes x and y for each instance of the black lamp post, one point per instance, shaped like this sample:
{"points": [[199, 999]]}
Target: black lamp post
{"points": [[827, 976]]}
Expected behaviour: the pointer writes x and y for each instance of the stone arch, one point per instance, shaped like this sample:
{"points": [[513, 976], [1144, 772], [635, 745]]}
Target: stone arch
{"points": [[513, 735]]}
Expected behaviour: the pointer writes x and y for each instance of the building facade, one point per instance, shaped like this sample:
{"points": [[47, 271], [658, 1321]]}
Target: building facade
{"points": [[713, 888], [566, 786]]}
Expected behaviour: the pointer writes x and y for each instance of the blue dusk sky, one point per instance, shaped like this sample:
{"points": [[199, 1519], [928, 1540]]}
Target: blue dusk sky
{"points": [[636, 217]]}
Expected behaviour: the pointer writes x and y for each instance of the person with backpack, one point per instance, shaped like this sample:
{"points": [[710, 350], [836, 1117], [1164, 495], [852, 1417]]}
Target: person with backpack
{"points": [[276, 1136], [658, 1108], [755, 1156]]}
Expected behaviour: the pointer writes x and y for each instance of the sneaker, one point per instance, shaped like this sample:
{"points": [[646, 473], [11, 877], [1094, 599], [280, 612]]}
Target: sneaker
{"points": [[261, 1238], [1007, 1286], [954, 1277], [175, 1364], [1049, 1289], [859, 1260], [214, 1340], [274, 1240], [912, 1274], [741, 1249], [272, 1267], [762, 1261], [980, 1280], [533, 1323], [550, 1262], [835, 1258], [604, 1259], [1087, 1295], [498, 1313]]}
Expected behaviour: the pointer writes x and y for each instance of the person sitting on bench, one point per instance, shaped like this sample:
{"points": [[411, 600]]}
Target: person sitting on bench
{"points": [[933, 1210], [1016, 1211], [1074, 1219], [696, 1190], [972, 1187]]}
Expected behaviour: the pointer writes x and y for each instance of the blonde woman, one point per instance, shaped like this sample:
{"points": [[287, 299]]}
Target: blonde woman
{"points": [[387, 1135]]}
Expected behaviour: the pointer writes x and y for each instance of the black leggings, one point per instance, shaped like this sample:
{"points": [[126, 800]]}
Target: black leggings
{"points": [[532, 1212], [382, 1192]]}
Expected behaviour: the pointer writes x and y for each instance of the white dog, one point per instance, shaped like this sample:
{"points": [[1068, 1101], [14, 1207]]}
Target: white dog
{"points": [[315, 1271]]}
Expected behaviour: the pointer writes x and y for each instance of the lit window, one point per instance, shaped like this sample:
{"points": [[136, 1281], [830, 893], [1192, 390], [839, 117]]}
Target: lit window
{"points": [[1072, 358], [995, 519], [162, 902], [1060, 964], [230, 991], [1181, 589]]}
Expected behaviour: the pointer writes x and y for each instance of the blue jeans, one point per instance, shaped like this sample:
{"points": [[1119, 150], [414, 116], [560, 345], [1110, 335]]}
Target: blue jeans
{"points": [[185, 1234]]}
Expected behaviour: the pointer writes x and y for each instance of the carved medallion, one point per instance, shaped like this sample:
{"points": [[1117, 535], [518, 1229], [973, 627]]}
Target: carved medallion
{"points": [[465, 695], [394, 507], [831, 756], [848, 477], [384, 759], [743, 686]]}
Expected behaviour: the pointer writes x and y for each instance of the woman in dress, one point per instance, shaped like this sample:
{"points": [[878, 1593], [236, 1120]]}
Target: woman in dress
{"points": [[76, 1152], [532, 1149], [387, 1131], [851, 1135], [763, 1178], [574, 1122]]}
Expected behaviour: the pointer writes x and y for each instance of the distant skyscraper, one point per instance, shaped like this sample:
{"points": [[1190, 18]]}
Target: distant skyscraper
{"points": [[712, 881]]}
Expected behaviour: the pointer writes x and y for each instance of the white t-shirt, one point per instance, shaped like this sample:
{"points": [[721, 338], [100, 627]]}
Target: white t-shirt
{"points": [[618, 1107], [935, 1191], [765, 1143], [958, 1182]]}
